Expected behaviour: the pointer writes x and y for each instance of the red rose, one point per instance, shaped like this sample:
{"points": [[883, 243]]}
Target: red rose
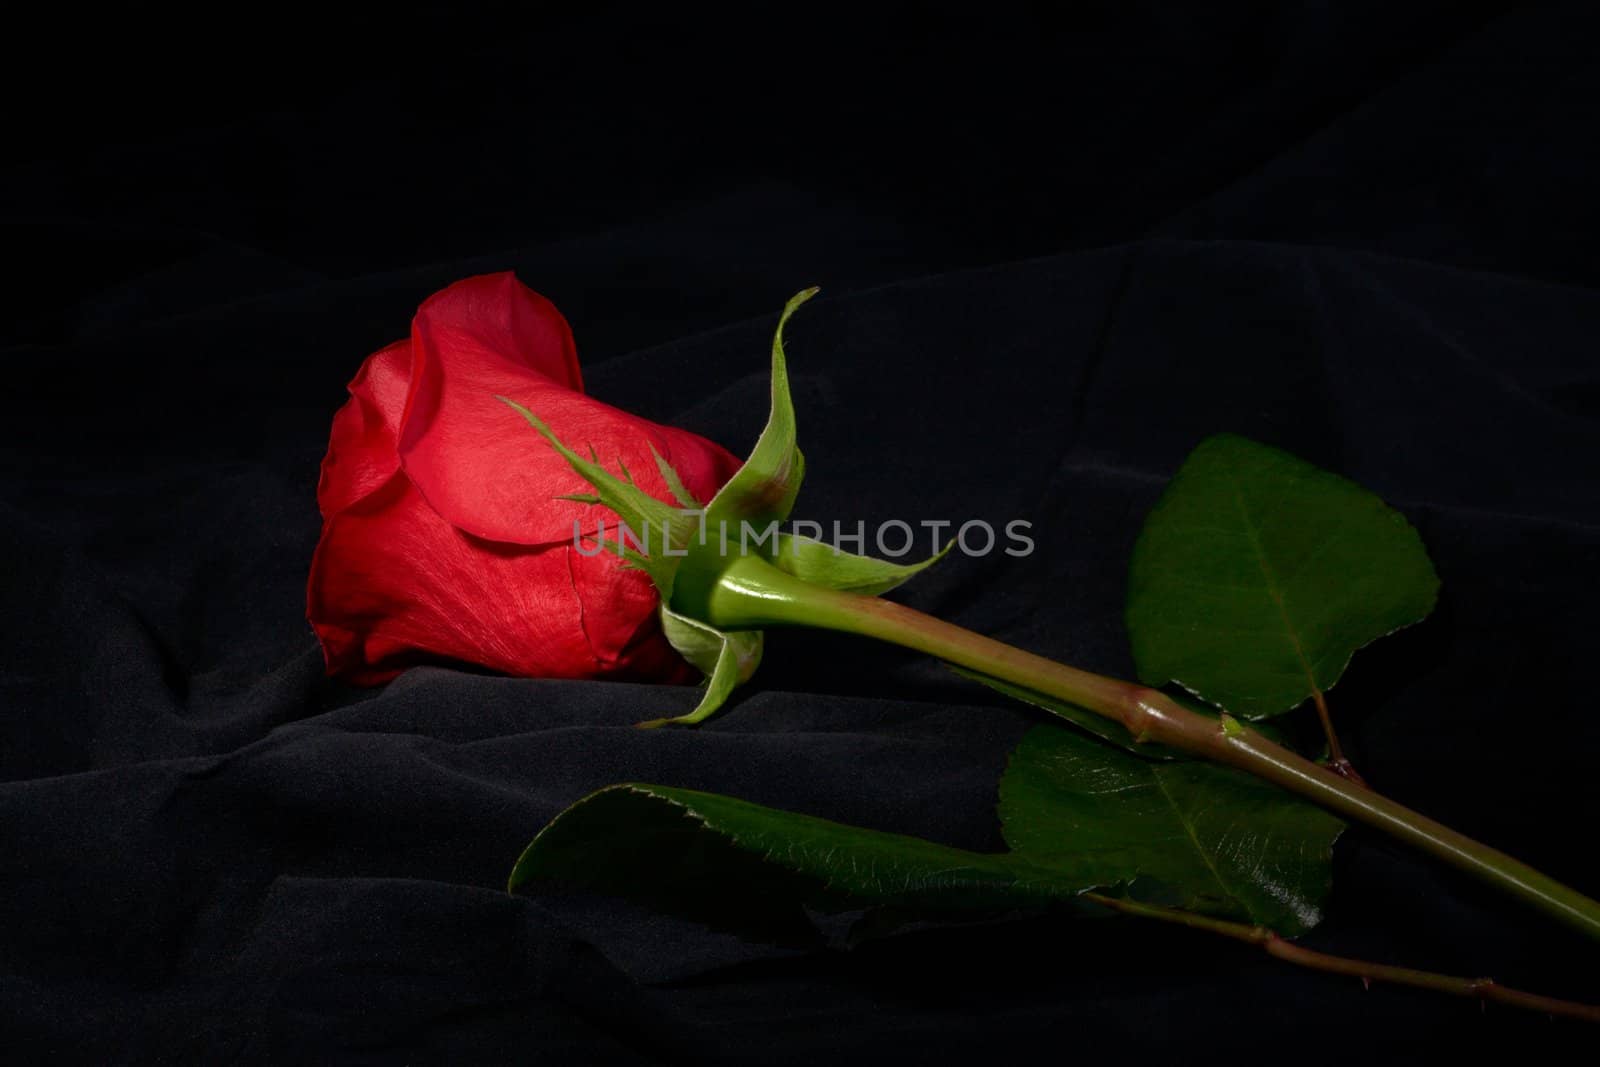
{"points": [[442, 538]]}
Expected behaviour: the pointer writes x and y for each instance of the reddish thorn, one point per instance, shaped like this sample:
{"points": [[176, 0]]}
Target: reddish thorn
{"points": [[1344, 769]]}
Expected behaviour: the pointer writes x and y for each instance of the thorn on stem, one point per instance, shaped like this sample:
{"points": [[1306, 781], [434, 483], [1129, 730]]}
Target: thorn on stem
{"points": [[1344, 769], [1336, 760]]}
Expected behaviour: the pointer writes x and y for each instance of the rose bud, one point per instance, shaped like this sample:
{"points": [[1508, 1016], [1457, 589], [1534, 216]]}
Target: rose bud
{"points": [[448, 528], [705, 548]]}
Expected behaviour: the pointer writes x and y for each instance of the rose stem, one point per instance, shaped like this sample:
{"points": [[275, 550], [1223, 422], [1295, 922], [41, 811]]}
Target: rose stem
{"points": [[751, 593], [1481, 988]]}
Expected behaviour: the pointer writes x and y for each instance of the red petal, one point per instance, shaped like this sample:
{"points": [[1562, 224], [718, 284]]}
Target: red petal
{"points": [[393, 585], [494, 318], [477, 462], [361, 448]]}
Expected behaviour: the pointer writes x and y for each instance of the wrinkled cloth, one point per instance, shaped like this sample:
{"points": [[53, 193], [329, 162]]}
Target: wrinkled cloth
{"points": [[1368, 240]]}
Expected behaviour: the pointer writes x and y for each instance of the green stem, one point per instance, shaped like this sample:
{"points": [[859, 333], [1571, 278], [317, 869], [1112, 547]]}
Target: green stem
{"points": [[1273, 945], [753, 594]]}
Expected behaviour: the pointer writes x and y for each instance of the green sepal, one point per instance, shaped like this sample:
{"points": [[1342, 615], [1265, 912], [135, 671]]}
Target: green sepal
{"points": [[637, 509], [675, 486], [759, 496], [727, 660], [763, 490], [822, 564]]}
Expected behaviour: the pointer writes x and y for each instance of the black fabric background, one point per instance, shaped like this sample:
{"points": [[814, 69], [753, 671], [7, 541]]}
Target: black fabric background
{"points": [[1056, 251]]}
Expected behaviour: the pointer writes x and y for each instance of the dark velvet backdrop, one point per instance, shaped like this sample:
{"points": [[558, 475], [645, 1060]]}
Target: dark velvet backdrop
{"points": [[1055, 254]]}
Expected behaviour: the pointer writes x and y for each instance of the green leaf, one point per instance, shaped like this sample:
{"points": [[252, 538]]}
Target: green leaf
{"points": [[741, 866], [1187, 834], [1258, 575], [764, 488], [823, 564], [1078, 815]]}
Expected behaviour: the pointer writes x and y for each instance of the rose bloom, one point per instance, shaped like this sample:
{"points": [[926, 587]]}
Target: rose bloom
{"points": [[442, 536]]}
